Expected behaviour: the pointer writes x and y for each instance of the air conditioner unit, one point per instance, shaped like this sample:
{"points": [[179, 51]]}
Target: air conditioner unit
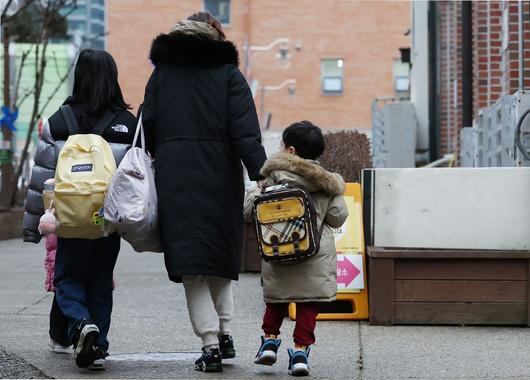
{"points": [[394, 129], [519, 110], [466, 147]]}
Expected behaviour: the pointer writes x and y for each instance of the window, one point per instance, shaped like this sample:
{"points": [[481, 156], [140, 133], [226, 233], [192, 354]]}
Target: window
{"points": [[401, 84], [80, 10], [98, 44], [97, 29], [332, 76], [97, 14], [77, 25], [220, 9]]}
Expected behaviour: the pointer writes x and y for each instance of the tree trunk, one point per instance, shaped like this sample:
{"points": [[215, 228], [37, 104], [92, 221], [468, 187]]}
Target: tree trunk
{"points": [[6, 149]]}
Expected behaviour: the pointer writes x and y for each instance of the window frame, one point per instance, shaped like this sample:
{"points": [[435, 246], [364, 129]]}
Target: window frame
{"points": [[323, 77], [229, 11]]}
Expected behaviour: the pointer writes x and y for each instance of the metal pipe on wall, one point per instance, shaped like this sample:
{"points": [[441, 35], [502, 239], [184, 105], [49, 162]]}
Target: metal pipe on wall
{"points": [[454, 136], [448, 75], [488, 39], [467, 65], [521, 45], [434, 82]]}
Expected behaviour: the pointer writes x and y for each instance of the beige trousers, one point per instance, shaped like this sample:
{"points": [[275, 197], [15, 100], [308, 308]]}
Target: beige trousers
{"points": [[211, 306]]}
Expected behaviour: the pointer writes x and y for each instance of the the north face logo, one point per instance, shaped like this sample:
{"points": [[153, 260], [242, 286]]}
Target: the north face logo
{"points": [[120, 128]]}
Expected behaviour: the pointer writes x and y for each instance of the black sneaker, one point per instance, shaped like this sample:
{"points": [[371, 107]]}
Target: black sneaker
{"points": [[210, 361], [99, 362], [226, 346], [268, 352], [298, 362], [84, 354]]}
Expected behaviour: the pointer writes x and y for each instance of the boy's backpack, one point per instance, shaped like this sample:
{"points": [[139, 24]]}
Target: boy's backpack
{"points": [[286, 224], [84, 170]]}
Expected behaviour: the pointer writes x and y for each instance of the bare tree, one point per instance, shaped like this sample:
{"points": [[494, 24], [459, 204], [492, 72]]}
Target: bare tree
{"points": [[11, 8], [47, 12], [9, 11]]}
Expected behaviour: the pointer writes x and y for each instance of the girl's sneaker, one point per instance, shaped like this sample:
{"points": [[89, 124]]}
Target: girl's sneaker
{"points": [[268, 352], [84, 351], [210, 361], [58, 348], [99, 362], [298, 362]]}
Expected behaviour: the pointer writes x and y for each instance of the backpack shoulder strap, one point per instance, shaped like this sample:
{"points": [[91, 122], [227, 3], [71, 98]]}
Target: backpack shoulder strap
{"points": [[321, 229], [105, 122], [69, 119], [312, 208]]}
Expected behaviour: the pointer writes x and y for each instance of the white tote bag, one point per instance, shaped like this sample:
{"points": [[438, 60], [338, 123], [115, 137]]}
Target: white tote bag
{"points": [[131, 203]]}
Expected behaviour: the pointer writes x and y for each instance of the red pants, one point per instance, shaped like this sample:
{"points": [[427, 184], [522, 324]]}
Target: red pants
{"points": [[306, 319]]}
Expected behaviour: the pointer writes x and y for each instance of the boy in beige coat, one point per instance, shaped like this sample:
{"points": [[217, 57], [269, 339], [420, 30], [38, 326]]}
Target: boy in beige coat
{"points": [[312, 281]]}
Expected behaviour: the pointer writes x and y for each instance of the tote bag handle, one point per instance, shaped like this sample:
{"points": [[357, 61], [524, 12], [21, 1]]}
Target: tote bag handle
{"points": [[139, 131]]}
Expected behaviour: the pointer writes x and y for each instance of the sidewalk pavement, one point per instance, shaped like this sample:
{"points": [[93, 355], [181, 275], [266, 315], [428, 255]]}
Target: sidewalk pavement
{"points": [[151, 336]]}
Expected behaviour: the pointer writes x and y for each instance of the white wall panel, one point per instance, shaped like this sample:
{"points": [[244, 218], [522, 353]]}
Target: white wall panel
{"points": [[460, 208]]}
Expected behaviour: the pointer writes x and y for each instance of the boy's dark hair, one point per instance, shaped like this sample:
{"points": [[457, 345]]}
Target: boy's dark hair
{"points": [[306, 138]]}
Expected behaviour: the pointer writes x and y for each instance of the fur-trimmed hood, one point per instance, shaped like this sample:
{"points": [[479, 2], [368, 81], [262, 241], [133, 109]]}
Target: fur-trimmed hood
{"points": [[290, 168], [192, 51]]}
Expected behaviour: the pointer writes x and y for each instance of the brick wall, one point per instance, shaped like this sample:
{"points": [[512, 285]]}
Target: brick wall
{"points": [[510, 54], [487, 54], [132, 25], [495, 29], [367, 35]]}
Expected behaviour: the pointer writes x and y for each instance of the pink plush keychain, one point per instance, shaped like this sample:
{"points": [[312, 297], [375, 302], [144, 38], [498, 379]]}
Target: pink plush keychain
{"points": [[48, 222]]}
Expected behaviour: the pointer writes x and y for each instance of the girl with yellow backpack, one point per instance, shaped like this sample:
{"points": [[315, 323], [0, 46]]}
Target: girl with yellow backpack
{"points": [[98, 130]]}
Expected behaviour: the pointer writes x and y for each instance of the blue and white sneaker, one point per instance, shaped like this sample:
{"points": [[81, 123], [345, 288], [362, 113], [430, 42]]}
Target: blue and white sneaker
{"points": [[268, 352], [298, 362]]}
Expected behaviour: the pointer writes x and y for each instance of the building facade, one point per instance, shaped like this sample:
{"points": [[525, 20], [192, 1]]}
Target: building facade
{"points": [[498, 48], [324, 61], [87, 24]]}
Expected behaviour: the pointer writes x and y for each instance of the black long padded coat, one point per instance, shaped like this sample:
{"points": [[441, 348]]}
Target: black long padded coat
{"points": [[200, 122]]}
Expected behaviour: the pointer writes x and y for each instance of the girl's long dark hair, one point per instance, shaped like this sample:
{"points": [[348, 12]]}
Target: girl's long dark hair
{"points": [[96, 82]]}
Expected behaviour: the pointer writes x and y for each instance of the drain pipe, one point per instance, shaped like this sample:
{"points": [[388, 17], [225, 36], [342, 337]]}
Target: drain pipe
{"points": [[521, 46], [488, 39], [448, 75], [434, 83], [467, 65]]}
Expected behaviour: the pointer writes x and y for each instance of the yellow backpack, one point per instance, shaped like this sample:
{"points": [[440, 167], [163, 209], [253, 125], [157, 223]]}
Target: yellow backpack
{"points": [[84, 171]]}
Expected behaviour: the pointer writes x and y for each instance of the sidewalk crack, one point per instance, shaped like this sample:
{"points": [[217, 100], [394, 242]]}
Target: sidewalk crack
{"points": [[360, 359], [33, 304]]}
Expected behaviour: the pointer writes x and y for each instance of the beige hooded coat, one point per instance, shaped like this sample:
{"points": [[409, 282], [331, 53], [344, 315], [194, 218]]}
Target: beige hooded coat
{"points": [[313, 280]]}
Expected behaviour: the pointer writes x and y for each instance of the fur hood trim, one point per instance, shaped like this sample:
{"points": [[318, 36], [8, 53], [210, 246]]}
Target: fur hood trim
{"points": [[331, 183], [192, 50]]}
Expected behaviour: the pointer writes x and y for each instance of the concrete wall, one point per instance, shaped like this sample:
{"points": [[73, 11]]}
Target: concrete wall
{"points": [[457, 208]]}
